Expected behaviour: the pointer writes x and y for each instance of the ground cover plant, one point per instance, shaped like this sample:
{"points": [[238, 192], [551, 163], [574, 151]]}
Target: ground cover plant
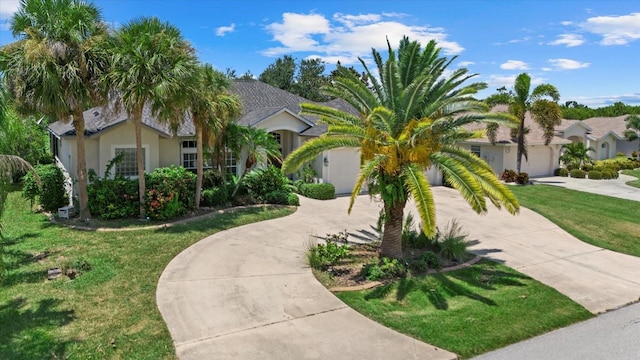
{"points": [[469, 311], [604, 221], [109, 309]]}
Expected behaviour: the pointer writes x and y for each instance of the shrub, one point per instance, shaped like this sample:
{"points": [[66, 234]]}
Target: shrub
{"points": [[113, 198], [634, 154], [282, 197], [50, 193], [215, 196], [577, 173], [259, 182], [324, 191], [587, 167], [170, 192], [329, 253], [556, 172], [412, 238], [563, 172], [522, 178], [431, 259], [509, 175], [453, 241], [306, 173], [594, 175], [610, 174], [212, 179], [619, 154], [385, 269]]}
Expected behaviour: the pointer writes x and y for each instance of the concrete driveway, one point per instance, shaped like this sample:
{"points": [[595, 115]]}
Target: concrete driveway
{"points": [[614, 187], [247, 292]]}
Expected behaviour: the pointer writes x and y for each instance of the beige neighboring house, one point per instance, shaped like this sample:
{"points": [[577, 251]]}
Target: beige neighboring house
{"points": [[604, 134], [542, 159], [264, 106]]}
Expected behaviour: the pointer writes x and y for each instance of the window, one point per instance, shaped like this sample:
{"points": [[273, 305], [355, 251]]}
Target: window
{"points": [[231, 166], [189, 160], [54, 143], [476, 150], [128, 167], [190, 156]]}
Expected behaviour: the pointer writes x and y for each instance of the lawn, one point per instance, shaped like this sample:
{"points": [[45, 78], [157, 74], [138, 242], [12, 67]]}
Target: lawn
{"points": [[636, 173], [604, 221], [470, 311], [109, 311]]}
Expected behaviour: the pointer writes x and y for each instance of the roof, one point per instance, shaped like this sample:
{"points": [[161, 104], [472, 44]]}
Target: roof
{"points": [[602, 126], [259, 100], [503, 135]]}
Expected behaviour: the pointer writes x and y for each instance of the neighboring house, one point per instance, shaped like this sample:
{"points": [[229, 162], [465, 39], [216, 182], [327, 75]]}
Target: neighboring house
{"points": [[264, 106], [541, 161], [604, 134]]}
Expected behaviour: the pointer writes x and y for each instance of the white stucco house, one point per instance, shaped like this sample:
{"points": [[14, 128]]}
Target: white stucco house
{"points": [[604, 134]]}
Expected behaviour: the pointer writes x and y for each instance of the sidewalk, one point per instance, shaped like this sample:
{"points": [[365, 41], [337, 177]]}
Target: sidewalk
{"points": [[615, 187]]}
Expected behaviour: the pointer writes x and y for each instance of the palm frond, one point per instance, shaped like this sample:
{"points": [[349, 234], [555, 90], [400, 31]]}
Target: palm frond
{"points": [[462, 180], [313, 148], [367, 169], [421, 192]]}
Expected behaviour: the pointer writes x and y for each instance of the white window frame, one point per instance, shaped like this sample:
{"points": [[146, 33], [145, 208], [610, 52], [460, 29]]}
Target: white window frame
{"points": [[145, 148], [191, 150], [230, 162]]}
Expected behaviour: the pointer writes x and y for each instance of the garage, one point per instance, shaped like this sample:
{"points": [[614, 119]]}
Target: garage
{"points": [[342, 167]]}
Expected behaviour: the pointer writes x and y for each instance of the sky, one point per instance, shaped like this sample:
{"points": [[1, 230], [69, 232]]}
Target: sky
{"points": [[590, 50]]}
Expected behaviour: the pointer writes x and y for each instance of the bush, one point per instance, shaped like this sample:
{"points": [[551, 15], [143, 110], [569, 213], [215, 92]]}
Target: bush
{"points": [[594, 175], [587, 167], [571, 166], [215, 196], [428, 260], [113, 198], [259, 182], [563, 172], [282, 197], [50, 193], [324, 191], [453, 241], [322, 255], [212, 179], [306, 173], [577, 173], [170, 192], [508, 175], [385, 269], [522, 178], [610, 174]]}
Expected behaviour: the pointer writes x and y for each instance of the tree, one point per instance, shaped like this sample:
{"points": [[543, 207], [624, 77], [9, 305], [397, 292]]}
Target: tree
{"points": [[151, 63], [54, 66], [211, 107], [576, 154], [310, 79], [544, 109], [410, 118], [280, 74], [260, 147], [633, 129]]}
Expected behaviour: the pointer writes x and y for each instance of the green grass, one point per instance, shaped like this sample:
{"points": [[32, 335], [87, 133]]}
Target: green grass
{"points": [[108, 312], [470, 311], [636, 173], [604, 221]]}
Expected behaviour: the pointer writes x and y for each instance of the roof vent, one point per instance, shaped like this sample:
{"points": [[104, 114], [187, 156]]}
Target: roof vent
{"points": [[95, 113]]}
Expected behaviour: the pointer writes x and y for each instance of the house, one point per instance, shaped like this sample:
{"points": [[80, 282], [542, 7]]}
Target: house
{"points": [[541, 161], [604, 134], [108, 134]]}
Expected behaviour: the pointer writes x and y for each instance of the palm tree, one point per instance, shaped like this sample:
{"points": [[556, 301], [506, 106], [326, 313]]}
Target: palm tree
{"points": [[54, 65], [410, 118], [575, 154], [633, 129], [544, 109], [151, 64], [260, 147], [211, 106]]}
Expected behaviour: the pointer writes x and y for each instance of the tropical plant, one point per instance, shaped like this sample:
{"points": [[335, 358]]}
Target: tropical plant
{"points": [[541, 103], [410, 118], [211, 106], [633, 129], [151, 65], [260, 147], [53, 67], [576, 154], [9, 164]]}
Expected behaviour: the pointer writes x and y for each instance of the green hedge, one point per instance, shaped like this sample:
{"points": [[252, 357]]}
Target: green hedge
{"points": [[50, 193], [595, 175], [282, 197], [562, 172], [324, 191], [577, 173], [215, 196]]}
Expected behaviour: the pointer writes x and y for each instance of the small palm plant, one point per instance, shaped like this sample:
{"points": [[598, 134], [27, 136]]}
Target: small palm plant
{"points": [[576, 154]]}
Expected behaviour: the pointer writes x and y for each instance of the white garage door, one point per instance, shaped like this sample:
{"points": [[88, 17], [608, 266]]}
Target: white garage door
{"points": [[344, 165], [540, 161]]}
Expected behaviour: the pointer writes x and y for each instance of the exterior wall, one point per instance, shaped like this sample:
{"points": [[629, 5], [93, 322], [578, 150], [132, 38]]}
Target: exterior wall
{"points": [[542, 159], [605, 148], [577, 130], [626, 147], [283, 121], [169, 152], [342, 169], [125, 136]]}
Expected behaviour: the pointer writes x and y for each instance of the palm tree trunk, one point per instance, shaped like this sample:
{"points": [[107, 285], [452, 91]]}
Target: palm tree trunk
{"points": [[521, 145], [137, 121], [83, 196], [199, 162], [392, 234]]}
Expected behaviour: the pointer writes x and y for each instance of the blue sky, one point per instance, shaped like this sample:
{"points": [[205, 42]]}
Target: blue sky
{"points": [[590, 50]]}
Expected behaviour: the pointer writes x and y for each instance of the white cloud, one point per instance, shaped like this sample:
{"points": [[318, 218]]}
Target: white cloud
{"points": [[8, 8], [568, 64], [348, 36], [547, 69], [465, 63], [514, 65], [567, 23], [570, 40], [601, 101], [497, 81], [223, 30], [615, 30]]}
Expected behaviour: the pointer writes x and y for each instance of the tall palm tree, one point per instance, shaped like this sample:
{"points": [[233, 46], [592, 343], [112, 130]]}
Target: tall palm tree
{"points": [[410, 118], [54, 66], [211, 106], [544, 109], [576, 154], [633, 129], [260, 147], [151, 63]]}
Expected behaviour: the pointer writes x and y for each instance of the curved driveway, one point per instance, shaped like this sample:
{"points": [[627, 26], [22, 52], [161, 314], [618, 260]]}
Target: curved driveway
{"points": [[247, 292]]}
